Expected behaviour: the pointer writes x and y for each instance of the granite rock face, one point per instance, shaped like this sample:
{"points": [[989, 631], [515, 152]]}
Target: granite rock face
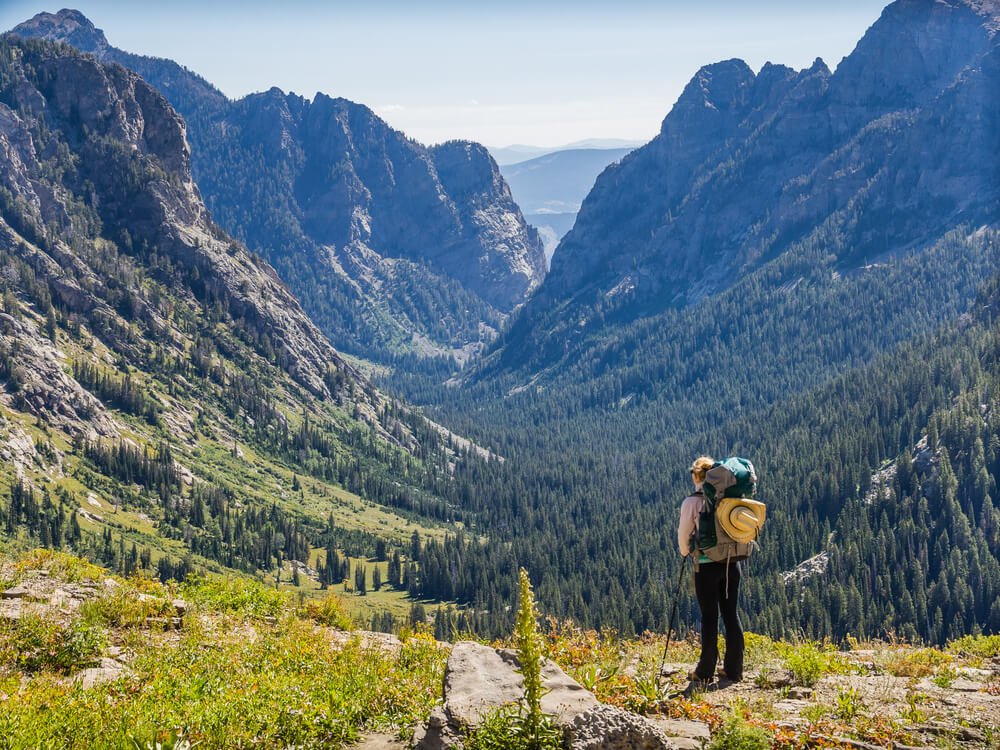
{"points": [[97, 193], [390, 245], [881, 157], [41, 386]]}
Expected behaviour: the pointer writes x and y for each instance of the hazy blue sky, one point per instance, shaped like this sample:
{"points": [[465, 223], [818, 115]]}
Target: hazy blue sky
{"points": [[543, 73]]}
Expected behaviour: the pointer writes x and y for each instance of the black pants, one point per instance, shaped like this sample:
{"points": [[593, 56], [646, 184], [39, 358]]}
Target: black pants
{"points": [[710, 587]]}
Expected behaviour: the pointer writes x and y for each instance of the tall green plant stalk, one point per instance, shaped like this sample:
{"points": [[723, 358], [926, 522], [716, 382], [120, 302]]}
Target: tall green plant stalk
{"points": [[528, 641]]}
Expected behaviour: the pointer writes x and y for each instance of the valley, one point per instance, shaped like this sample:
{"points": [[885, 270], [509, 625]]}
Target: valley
{"points": [[272, 343]]}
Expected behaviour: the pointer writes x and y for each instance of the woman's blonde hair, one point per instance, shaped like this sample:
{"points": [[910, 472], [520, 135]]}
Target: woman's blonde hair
{"points": [[700, 467]]}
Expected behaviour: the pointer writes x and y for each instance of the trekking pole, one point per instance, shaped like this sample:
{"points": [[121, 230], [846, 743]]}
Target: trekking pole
{"points": [[673, 615]]}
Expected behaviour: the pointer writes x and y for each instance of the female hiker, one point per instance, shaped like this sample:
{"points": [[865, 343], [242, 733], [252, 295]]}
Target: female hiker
{"points": [[717, 586]]}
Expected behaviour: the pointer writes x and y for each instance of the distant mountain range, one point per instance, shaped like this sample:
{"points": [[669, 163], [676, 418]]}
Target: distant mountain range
{"points": [[517, 152], [394, 248], [550, 188]]}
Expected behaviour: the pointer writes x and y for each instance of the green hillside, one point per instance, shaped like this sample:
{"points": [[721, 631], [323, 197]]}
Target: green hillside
{"points": [[166, 403]]}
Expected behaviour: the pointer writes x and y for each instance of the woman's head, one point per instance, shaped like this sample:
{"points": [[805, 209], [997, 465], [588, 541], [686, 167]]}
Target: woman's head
{"points": [[700, 467]]}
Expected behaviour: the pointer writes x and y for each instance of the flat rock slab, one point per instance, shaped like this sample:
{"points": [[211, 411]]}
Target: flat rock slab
{"points": [[379, 742], [696, 730], [368, 639], [789, 706], [25, 592], [684, 743], [478, 679], [108, 670], [965, 685]]}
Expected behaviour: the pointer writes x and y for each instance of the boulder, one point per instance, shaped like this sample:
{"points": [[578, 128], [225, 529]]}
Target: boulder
{"points": [[605, 727], [108, 670], [695, 730], [479, 679]]}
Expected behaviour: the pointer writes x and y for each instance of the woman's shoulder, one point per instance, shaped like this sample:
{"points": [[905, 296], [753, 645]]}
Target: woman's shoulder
{"points": [[695, 499]]}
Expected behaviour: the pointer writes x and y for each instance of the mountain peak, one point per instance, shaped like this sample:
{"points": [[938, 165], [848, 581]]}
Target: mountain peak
{"points": [[69, 26], [915, 49], [719, 83]]}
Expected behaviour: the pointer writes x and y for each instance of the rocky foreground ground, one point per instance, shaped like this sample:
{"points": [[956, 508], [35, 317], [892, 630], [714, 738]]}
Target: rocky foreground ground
{"points": [[959, 709], [81, 651]]}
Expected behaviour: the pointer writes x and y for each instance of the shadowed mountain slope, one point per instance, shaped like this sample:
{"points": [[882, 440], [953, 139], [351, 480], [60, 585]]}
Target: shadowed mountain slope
{"points": [[880, 158], [394, 248]]}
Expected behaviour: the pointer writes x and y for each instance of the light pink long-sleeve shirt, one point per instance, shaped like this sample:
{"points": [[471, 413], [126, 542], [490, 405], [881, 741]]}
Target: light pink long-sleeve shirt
{"points": [[688, 524]]}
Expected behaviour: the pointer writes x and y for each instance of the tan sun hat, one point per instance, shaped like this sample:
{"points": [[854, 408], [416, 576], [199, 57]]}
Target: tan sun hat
{"points": [[740, 517]]}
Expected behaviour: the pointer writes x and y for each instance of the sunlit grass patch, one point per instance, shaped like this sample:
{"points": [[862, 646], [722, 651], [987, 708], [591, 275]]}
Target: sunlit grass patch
{"points": [[904, 661], [130, 604], [32, 644], [241, 597], [328, 610], [980, 646], [285, 687], [758, 651], [60, 566]]}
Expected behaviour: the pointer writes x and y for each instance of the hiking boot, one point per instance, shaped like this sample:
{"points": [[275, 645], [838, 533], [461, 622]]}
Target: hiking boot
{"points": [[724, 676]]}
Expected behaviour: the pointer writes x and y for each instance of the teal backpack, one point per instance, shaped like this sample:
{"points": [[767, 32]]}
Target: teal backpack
{"points": [[732, 477]]}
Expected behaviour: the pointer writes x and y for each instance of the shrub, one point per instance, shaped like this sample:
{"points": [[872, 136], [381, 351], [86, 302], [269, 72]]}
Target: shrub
{"points": [[915, 662], [737, 734], [848, 704], [945, 678], [242, 597], [33, 644], [329, 610], [981, 646], [913, 713], [806, 663]]}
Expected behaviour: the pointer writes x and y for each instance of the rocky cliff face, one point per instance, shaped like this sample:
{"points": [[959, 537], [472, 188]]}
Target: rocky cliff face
{"points": [[883, 156], [102, 227], [392, 246], [358, 184]]}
